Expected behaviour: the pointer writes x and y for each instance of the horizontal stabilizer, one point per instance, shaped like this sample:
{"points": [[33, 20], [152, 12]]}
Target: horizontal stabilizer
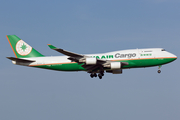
{"points": [[20, 60]]}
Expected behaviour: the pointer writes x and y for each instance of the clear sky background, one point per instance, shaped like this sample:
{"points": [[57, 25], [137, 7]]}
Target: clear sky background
{"points": [[90, 26]]}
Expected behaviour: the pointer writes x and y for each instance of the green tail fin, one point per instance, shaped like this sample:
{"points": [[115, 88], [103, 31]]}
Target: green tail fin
{"points": [[22, 49]]}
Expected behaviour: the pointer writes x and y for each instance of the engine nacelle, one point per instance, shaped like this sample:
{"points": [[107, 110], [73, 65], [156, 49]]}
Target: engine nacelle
{"points": [[114, 65], [91, 61]]}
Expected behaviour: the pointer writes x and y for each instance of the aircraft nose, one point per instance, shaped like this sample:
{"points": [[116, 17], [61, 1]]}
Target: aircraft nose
{"points": [[174, 56], [171, 56]]}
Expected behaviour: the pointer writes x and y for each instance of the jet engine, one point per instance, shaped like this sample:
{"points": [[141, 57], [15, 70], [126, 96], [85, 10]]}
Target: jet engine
{"points": [[89, 61], [113, 65]]}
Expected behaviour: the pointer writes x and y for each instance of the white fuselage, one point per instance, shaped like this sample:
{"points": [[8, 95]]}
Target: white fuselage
{"points": [[131, 54]]}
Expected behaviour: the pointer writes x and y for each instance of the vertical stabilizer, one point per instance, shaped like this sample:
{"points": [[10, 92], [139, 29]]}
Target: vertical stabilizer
{"points": [[21, 49]]}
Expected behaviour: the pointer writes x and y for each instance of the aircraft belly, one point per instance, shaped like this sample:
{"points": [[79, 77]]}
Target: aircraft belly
{"points": [[62, 67], [147, 62], [133, 63]]}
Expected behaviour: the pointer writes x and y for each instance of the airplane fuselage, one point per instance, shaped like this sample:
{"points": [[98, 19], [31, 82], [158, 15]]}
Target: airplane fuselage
{"points": [[135, 58]]}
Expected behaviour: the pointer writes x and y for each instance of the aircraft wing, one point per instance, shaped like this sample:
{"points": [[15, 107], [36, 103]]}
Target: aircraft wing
{"points": [[71, 54]]}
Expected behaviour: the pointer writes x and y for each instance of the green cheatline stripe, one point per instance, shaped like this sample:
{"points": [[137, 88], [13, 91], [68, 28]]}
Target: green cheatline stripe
{"points": [[132, 64], [119, 60]]}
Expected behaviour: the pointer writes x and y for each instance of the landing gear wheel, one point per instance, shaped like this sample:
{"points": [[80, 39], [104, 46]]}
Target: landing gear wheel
{"points": [[91, 75], [100, 76], [159, 71], [95, 75]]}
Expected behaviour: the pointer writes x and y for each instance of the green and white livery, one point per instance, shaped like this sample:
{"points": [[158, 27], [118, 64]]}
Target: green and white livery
{"points": [[95, 64]]}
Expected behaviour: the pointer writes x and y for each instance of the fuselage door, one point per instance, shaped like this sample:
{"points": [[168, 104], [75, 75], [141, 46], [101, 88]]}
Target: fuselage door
{"points": [[139, 53]]}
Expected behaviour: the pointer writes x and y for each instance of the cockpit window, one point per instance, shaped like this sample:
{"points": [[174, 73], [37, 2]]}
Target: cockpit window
{"points": [[163, 50]]}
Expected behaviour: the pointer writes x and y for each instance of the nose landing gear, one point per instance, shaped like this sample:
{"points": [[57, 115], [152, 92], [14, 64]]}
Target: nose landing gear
{"points": [[159, 71]]}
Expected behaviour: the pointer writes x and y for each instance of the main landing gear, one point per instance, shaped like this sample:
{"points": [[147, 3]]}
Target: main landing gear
{"points": [[93, 75], [100, 75], [159, 71]]}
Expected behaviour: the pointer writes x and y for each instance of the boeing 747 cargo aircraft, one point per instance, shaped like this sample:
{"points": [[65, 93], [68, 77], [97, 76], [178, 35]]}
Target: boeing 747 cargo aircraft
{"points": [[95, 64]]}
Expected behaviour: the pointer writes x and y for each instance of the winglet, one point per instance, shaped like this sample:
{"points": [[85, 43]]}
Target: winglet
{"points": [[51, 46]]}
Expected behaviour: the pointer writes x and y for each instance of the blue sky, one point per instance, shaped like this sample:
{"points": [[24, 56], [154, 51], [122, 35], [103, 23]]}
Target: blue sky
{"points": [[90, 27]]}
